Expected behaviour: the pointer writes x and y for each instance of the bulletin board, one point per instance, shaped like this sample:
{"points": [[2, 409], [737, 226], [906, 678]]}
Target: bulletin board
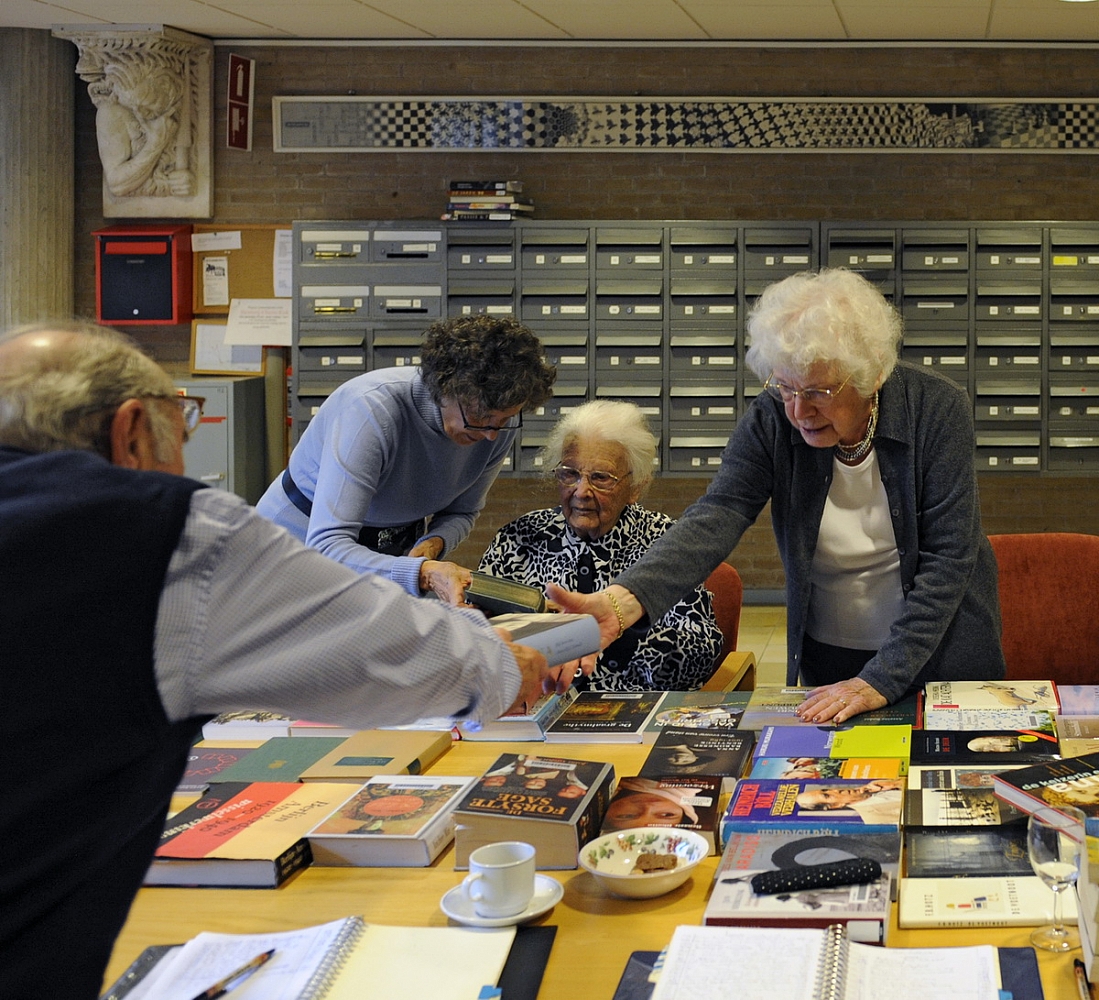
{"points": [[244, 273]]}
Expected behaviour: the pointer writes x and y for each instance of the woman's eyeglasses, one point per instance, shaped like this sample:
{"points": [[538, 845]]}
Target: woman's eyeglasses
{"points": [[603, 482], [814, 395], [508, 425]]}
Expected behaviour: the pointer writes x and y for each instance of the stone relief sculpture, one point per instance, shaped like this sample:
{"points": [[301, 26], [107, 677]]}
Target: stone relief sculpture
{"points": [[151, 88]]}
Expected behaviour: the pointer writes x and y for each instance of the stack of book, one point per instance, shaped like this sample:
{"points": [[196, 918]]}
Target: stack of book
{"points": [[495, 201]]}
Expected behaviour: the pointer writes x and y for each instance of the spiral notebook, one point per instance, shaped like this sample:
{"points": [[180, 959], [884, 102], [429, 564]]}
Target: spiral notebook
{"points": [[754, 963], [345, 959]]}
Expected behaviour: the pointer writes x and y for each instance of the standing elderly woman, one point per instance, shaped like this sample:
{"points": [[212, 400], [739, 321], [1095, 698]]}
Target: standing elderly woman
{"points": [[394, 468], [868, 466], [601, 456]]}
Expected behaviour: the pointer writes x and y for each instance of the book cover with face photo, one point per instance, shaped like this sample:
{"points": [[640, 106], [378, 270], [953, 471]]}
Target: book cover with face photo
{"points": [[987, 747], [685, 803], [686, 752]]}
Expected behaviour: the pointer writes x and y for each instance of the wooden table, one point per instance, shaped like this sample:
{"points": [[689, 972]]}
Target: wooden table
{"points": [[596, 932]]}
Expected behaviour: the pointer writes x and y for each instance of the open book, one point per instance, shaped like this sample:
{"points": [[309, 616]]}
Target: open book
{"points": [[754, 963]]}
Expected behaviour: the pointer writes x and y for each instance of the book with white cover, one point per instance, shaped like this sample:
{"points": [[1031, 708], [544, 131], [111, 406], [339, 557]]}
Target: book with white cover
{"points": [[559, 637], [974, 901]]}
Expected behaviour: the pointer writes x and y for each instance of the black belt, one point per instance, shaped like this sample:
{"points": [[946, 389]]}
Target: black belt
{"points": [[294, 495]]}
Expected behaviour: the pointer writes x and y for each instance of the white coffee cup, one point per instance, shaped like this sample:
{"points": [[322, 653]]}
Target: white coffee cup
{"points": [[500, 882]]}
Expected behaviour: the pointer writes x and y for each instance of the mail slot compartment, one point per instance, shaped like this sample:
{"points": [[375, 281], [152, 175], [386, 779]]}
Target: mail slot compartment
{"points": [[480, 298], [1074, 453], [1074, 253], [332, 351], [554, 249], [1011, 363], [703, 250], [870, 252], [312, 390], [421, 301], [625, 357], [695, 452], [532, 441], [702, 355], [1012, 250], [1010, 409], [648, 398], [334, 301], [934, 251], [994, 334], [492, 250], [337, 246], [396, 348], [939, 300], [1074, 358], [568, 351], [1009, 450], [778, 252], [630, 301], [554, 300], [629, 249], [1074, 412], [953, 362], [702, 405], [1008, 302], [567, 396], [1073, 301], [395, 244], [711, 302]]}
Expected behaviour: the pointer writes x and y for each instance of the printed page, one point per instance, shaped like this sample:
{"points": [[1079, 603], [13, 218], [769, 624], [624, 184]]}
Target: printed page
{"points": [[740, 963], [927, 973]]}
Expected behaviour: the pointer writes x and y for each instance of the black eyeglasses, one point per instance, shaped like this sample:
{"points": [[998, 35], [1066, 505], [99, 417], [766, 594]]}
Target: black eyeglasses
{"points": [[602, 482], [508, 425]]}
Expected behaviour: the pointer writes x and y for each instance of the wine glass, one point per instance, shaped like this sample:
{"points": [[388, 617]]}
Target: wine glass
{"points": [[1055, 845]]}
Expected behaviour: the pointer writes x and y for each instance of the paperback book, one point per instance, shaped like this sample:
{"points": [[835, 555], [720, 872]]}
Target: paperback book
{"points": [[767, 803], [965, 705], [205, 763], [243, 835], [863, 768], [391, 821], [775, 705], [526, 726], [1002, 901], [1078, 735], [710, 710], [960, 776], [281, 758], [987, 748], [605, 717], [379, 751], [554, 803], [1078, 699], [834, 741], [964, 852], [685, 803], [686, 752], [236, 726], [964, 807], [559, 637], [1073, 781]]}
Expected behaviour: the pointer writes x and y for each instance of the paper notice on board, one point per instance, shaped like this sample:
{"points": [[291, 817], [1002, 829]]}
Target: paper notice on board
{"points": [[203, 242], [282, 265], [260, 321], [215, 281]]}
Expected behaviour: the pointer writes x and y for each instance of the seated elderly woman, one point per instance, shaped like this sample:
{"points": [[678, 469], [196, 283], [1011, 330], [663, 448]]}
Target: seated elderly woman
{"points": [[601, 456]]}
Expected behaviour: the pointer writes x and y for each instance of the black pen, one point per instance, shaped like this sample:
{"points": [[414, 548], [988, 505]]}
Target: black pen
{"points": [[223, 986]]}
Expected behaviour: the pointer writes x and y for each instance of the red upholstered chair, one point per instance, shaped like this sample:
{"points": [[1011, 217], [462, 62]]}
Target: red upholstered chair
{"points": [[1049, 599], [736, 670]]}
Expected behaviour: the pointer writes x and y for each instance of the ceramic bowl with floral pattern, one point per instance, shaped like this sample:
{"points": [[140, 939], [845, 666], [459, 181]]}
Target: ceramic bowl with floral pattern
{"points": [[644, 861]]}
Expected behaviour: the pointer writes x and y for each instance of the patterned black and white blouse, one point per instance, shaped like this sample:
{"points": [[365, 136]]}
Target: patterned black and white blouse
{"points": [[680, 650]]}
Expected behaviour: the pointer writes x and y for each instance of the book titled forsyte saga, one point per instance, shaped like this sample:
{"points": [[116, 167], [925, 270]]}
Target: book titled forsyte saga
{"points": [[554, 803]]}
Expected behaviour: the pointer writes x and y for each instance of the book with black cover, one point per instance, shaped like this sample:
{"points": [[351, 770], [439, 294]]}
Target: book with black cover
{"points": [[554, 803], [958, 852], [605, 717], [709, 710], [687, 752], [990, 748], [1073, 781]]}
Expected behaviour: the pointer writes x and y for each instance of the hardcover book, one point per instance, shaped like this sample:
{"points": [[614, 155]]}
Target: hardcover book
{"points": [[495, 595], [554, 803], [1078, 699], [966, 807], [1077, 735], [281, 758], [559, 637], [834, 741], [605, 717], [862, 768], [954, 853], [961, 705], [686, 752], [379, 751], [1073, 781], [205, 763], [747, 852], [761, 803], [683, 802], [987, 748], [391, 821], [1003, 901], [243, 835], [525, 726], [711, 710], [236, 726], [960, 776]]}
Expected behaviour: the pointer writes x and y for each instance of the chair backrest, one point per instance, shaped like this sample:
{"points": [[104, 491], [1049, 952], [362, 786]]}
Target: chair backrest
{"points": [[1049, 599], [728, 590]]}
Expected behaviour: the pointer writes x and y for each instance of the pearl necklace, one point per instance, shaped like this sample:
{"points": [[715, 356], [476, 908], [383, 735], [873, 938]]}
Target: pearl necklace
{"points": [[854, 452]]}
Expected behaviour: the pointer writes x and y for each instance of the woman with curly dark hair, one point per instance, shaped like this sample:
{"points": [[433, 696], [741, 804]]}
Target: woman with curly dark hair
{"points": [[394, 468]]}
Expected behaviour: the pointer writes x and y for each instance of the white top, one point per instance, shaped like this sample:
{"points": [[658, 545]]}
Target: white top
{"points": [[856, 573]]}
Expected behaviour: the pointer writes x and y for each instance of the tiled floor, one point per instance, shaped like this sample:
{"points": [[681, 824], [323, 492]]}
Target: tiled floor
{"points": [[763, 631]]}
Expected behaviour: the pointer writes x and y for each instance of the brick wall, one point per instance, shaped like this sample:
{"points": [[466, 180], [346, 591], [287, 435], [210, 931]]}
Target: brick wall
{"points": [[262, 186]]}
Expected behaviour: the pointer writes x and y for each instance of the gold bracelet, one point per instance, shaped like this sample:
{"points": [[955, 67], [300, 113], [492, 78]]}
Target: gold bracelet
{"points": [[617, 612]]}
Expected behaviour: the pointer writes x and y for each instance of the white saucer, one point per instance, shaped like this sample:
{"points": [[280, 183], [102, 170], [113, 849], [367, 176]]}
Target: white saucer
{"points": [[547, 894]]}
